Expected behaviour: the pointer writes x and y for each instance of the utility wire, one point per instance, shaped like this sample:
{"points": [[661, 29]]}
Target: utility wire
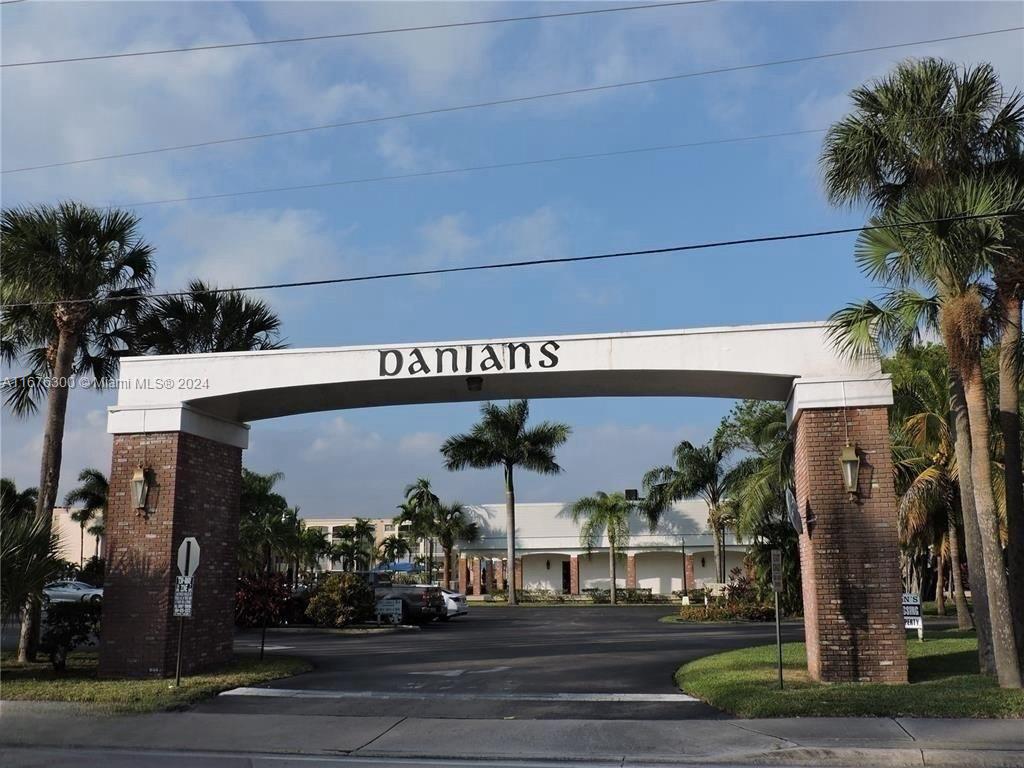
{"points": [[514, 100], [531, 262], [493, 166], [342, 35]]}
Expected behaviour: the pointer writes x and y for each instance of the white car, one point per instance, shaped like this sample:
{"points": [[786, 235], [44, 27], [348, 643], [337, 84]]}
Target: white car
{"points": [[455, 603], [72, 592]]}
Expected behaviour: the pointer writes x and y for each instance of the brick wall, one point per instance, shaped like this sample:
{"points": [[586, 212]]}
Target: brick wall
{"points": [[630, 571], [688, 568], [849, 552], [574, 574], [195, 492]]}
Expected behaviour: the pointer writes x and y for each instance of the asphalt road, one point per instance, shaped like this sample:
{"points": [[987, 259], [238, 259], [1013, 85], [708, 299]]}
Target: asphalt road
{"points": [[525, 662]]}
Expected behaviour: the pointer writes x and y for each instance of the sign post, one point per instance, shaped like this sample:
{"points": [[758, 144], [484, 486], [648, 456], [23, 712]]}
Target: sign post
{"points": [[188, 562], [777, 588], [912, 618]]}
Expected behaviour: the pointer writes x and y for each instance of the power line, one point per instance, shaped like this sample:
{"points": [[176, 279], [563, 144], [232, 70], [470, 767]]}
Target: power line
{"points": [[343, 35], [471, 168], [512, 100], [535, 262]]}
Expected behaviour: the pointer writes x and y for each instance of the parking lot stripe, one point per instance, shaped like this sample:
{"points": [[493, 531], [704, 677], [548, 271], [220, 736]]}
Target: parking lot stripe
{"points": [[300, 693]]}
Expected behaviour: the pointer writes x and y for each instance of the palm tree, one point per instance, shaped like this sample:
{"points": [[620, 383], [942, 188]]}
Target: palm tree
{"points": [[698, 471], [97, 529], [29, 558], [948, 261], [392, 549], [264, 525], [15, 503], [502, 439], [365, 532], [72, 284], [206, 321], [91, 494], [925, 462], [350, 551], [604, 515], [422, 505], [452, 525], [931, 124]]}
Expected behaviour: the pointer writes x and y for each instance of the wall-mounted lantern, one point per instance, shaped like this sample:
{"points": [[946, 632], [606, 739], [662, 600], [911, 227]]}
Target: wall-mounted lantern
{"points": [[849, 462], [140, 487]]}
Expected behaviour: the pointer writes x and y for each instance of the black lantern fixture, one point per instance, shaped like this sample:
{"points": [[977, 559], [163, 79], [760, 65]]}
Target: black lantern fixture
{"points": [[140, 487], [849, 462]]}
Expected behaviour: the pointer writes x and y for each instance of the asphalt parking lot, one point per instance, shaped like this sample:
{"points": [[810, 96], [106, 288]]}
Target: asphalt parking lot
{"points": [[536, 662]]}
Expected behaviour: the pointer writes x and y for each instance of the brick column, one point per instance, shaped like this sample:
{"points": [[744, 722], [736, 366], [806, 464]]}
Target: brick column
{"points": [[688, 566], [519, 573], [476, 576], [463, 576], [499, 574], [631, 571], [492, 581], [574, 574], [849, 552], [195, 492]]}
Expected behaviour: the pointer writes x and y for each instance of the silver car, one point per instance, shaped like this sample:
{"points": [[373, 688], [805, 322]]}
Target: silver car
{"points": [[72, 592]]}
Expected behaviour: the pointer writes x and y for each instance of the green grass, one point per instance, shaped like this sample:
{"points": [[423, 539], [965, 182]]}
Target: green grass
{"points": [[79, 684], [944, 682]]}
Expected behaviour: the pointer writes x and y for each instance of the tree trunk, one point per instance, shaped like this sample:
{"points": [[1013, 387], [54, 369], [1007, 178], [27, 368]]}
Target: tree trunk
{"points": [[446, 572], [940, 586], [611, 569], [1004, 646], [430, 560], [1009, 421], [963, 614], [81, 545], [49, 472], [510, 533], [972, 533]]}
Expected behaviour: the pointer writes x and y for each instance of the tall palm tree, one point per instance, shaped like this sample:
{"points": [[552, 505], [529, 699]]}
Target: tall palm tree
{"points": [[91, 496], [15, 503], [502, 439], [926, 124], [948, 261], [264, 525], [350, 551], [315, 545], [698, 471], [604, 515], [452, 525], [204, 321], [97, 529], [365, 532], [925, 461], [392, 549], [422, 504], [72, 284]]}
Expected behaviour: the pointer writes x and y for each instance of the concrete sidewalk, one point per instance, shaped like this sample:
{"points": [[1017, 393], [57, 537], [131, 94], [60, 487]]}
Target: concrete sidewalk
{"points": [[811, 741]]}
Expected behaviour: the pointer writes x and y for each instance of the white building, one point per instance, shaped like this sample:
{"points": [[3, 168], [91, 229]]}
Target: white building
{"points": [[75, 544]]}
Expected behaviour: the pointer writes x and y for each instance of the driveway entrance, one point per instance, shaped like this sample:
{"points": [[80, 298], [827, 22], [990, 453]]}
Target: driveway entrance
{"points": [[526, 662]]}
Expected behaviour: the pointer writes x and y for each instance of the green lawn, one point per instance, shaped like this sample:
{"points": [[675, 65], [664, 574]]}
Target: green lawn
{"points": [[944, 682], [39, 682]]}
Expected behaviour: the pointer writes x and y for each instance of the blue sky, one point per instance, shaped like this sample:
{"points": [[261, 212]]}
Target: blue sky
{"points": [[356, 462]]}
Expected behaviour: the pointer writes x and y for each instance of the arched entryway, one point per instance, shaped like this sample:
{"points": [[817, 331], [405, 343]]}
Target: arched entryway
{"points": [[183, 418]]}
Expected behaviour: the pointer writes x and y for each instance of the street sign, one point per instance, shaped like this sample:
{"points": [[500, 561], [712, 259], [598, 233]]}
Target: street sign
{"points": [[776, 570], [390, 610], [188, 557], [912, 618], [183, 597]]}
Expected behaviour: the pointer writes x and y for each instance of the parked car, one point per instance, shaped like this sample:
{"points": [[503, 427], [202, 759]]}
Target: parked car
{"points": [[72, 592], [455, 603], [420, 603]]}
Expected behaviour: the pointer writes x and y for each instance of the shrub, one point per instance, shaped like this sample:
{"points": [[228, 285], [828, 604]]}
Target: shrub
{"points": [[260, 600], [727, 612], [339, 600], [69, 625], [93, 571], [741, 588]]}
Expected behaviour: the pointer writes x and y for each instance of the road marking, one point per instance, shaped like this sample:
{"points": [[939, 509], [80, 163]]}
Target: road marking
{"points": [[444, 673], [313, 693], [268, 647]]}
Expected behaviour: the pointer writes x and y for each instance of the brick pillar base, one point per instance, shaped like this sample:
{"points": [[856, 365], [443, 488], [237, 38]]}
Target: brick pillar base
{"points": [[688, 567], [463, 575], [574, 574], [499, 574], [519, 573], [630, 571], [849, 552], [195, 492]]}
